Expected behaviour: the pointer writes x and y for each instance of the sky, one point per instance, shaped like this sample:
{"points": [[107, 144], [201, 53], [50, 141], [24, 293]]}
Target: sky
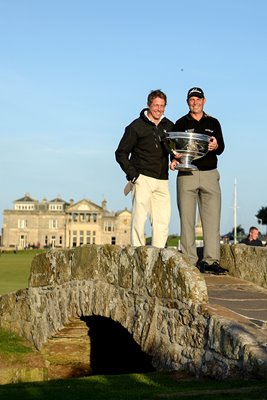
{"points": [[75, 73]]}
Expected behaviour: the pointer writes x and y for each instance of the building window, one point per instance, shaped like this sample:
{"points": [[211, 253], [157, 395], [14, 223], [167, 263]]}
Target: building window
{"points": [[94, 217], [94, 237], [22, 223], [55, 207], [52, 224], [81, 238], [88, 237], [82, 217], [74, 238], [113, 240], [60, 240], [24, 207], [22, 241], [108, 226], [53, 241]]}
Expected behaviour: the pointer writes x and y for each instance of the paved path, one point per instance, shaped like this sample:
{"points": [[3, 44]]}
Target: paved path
{"points": [[240, 298]]}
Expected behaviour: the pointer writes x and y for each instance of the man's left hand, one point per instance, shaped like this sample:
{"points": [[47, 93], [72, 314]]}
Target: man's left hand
{"points": [[213, 144]]}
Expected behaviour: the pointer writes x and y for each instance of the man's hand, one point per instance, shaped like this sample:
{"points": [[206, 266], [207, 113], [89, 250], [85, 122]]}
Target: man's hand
{"points": [[213, 144], [173, 164], [175, 161]]}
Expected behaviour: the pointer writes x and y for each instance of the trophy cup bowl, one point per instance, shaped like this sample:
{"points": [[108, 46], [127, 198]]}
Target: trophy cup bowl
{"points": [[191, 145]]}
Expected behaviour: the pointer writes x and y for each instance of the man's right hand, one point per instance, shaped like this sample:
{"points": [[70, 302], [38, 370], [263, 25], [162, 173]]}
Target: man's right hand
{"points": [[173, 164], [175, 161]]}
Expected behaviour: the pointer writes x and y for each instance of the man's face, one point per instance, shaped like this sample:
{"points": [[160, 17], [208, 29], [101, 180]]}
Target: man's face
{"points": [[254, 234], [196, 104], [156, 109]]}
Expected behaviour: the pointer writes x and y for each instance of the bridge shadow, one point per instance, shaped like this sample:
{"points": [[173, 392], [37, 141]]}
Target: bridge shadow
{"points": [[113, 349]]}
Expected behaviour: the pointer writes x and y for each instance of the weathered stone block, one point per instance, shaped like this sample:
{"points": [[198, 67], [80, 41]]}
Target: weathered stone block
{"points": [[246, 262]]}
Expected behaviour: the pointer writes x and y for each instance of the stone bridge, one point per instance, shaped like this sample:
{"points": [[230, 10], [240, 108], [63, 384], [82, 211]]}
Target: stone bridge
{"points": [[155, 295]]}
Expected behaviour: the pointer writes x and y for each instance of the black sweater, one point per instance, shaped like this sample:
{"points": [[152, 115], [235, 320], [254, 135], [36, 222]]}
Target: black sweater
{"points": [[141, 149], [206, 125], [255, 242]]}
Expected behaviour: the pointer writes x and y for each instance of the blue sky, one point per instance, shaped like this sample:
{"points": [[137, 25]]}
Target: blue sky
{"points": [[74, 73]]}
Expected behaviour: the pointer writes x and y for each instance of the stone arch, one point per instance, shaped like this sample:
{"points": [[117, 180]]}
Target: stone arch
{"points": [[113, 349], [154, 294]]}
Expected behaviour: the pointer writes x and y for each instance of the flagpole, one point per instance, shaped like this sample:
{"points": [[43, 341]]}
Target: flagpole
{"points": [[235, 208]]}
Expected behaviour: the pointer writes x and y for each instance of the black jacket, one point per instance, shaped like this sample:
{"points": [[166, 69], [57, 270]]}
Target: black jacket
{"points": [[141, 149], [256, 242], [209, 126]]}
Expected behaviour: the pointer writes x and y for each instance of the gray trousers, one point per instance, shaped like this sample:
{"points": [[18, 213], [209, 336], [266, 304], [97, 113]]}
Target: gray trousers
{"points": [[202, 189]]}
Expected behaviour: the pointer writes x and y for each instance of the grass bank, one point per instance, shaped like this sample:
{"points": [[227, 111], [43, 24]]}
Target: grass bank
{"points": [[15, 269]]}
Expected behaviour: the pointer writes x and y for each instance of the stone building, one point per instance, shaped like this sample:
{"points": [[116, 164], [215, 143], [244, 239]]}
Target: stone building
{"points": [[56, 223]]}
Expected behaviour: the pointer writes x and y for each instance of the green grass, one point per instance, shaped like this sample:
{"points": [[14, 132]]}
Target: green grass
{"points": [[151, 386], [15, 270], [10, 343], [172, 240]]}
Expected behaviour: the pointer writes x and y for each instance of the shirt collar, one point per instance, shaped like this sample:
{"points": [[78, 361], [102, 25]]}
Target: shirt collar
{"points": [[189, 116], [146, 114]]}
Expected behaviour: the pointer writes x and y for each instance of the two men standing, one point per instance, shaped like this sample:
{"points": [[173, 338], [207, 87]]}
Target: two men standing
{"points": [[143, 157]]}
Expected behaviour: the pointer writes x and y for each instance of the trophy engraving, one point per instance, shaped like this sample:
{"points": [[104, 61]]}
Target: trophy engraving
{"points": [[192, 145]]}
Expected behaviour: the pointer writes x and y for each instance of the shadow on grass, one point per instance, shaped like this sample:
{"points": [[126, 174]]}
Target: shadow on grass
{"points": [[136, 387]]}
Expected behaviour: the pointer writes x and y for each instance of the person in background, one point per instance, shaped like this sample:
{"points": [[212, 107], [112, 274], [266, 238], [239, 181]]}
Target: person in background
{"points": [[200, 187], [143, 157], [253, 237]]}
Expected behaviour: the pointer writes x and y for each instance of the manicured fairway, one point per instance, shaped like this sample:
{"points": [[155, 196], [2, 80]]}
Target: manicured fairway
{"points": [[15, 270]]}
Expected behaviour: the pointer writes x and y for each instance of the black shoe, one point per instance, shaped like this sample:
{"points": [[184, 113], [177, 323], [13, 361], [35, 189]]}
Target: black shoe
{"points": [[215, 268], [201, 265]]}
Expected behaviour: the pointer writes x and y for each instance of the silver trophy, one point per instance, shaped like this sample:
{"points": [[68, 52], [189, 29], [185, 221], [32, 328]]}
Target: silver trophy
{"points": [[191, 145]]}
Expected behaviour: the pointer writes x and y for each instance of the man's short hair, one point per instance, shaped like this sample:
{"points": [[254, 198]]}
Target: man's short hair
{"points": [[156, 93]]}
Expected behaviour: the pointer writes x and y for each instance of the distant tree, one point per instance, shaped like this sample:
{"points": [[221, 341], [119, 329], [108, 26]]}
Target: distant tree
{"points": [[262, 216], [240, 232]]}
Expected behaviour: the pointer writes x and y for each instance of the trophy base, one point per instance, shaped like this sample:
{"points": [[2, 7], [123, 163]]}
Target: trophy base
{"points": [[186, 167], [185, 163]]}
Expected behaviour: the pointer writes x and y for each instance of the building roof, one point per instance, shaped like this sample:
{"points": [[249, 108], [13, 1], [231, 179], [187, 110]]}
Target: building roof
{"points": [[26, 198], [84, 205], [58, 200]]}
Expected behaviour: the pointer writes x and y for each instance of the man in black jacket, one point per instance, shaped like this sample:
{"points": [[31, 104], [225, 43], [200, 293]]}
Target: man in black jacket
{"points": [[200, 187], [253, 237], [144, 159]]}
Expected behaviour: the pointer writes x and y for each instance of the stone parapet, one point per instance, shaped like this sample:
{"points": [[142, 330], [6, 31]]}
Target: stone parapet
{"points": [[147, 271], [246, 262]]}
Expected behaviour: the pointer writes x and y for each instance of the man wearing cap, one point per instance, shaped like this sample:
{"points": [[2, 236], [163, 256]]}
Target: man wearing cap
{"points": [[200, 187]]}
